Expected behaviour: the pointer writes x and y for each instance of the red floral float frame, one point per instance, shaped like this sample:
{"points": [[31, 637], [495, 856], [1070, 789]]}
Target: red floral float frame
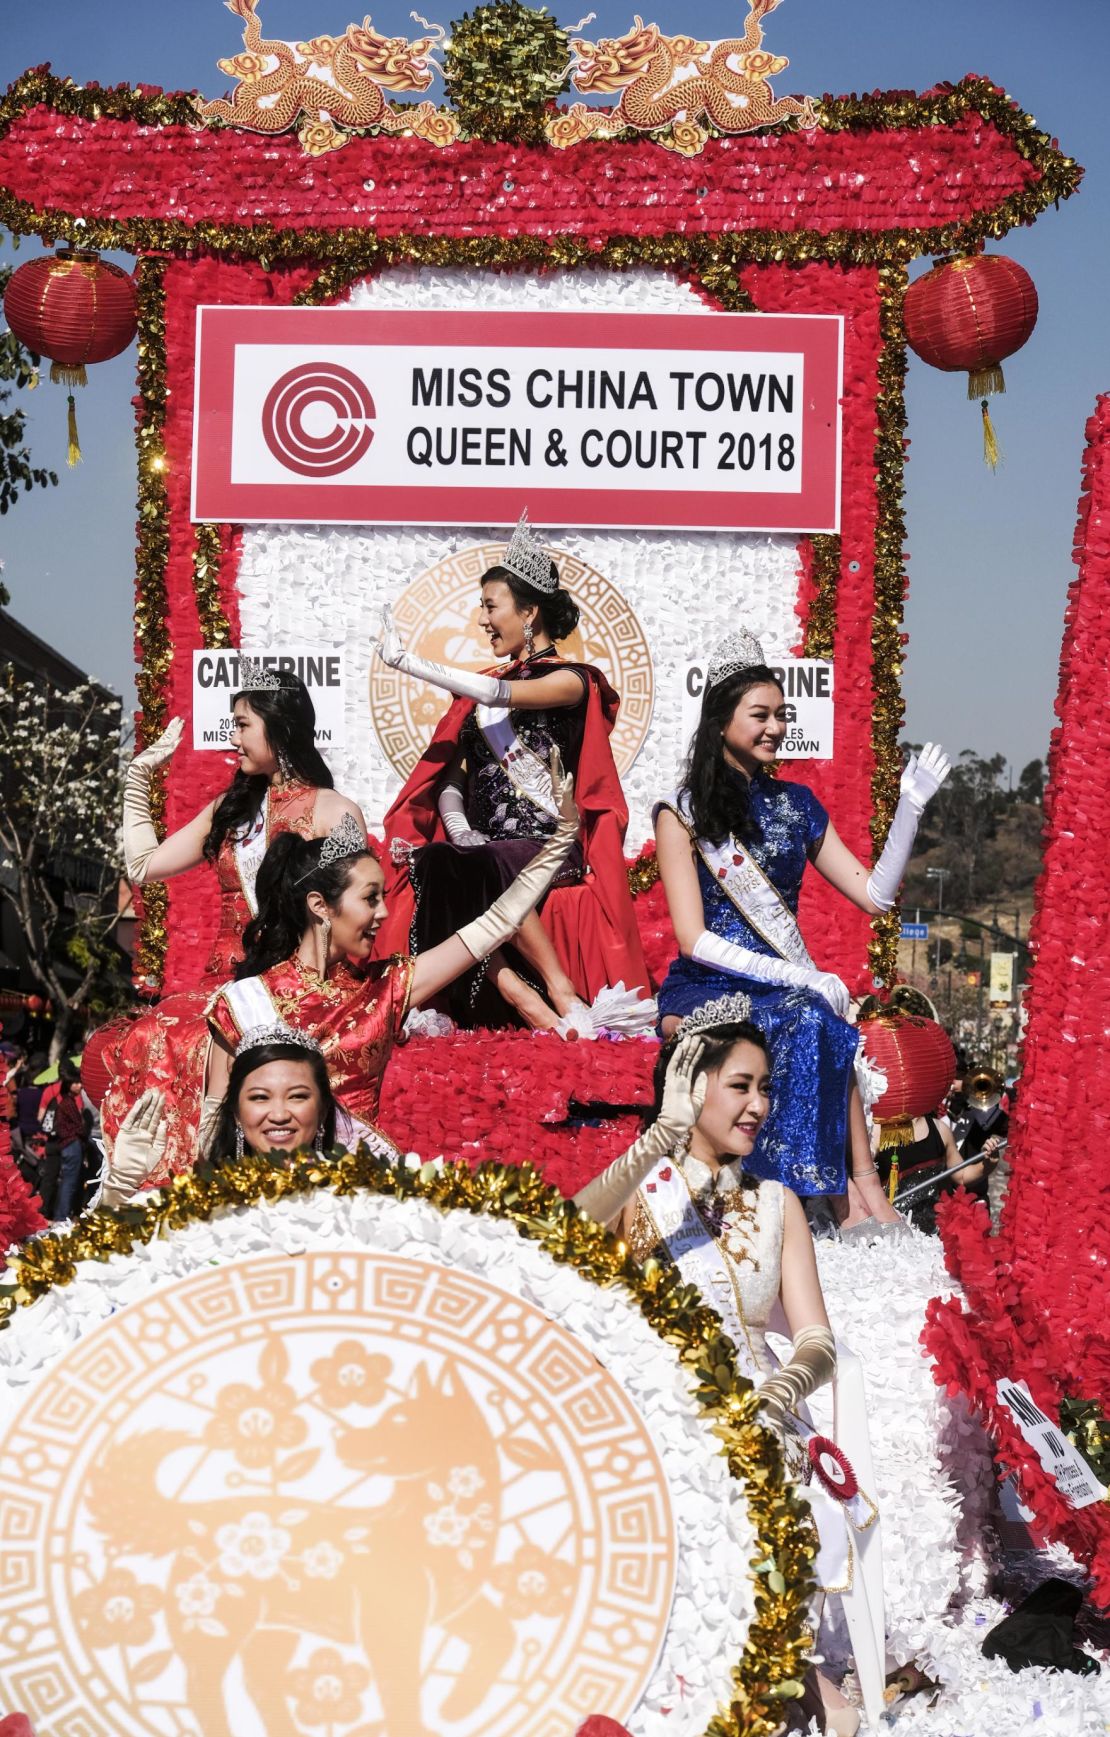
{"points": [[822, 221], [1037, 1293]]}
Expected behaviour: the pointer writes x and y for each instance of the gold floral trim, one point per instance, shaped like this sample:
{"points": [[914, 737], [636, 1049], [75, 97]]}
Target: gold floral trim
{"points": [[208, 548], [819, 639], [776, 1652]]}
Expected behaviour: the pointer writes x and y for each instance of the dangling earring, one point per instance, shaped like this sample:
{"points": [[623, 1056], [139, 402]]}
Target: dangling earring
{"points": [[318, 1143], [240, 1143], [682, 1145], [529, 640], [323, 938], [285, 766]]}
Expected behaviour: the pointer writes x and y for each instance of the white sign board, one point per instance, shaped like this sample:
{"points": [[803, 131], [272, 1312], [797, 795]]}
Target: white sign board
{"points": [[808, 686], [216, 679], [1064, 1463]]}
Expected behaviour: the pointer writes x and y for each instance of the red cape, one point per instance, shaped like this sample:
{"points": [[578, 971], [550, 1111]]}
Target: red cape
{"points": [[593, 925]]}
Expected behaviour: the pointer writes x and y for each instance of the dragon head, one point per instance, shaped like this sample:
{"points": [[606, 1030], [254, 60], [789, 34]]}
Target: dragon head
{"points": [[391, 61], [613, 61]]}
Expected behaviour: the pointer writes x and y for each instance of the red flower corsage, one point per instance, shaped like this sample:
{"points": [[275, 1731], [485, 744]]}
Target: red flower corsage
{"points": [[832, 1468]]}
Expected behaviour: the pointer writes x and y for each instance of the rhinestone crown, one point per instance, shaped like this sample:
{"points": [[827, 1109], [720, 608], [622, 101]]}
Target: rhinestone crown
{"points": [[258, 1035], [739, 651], [527, 559], [726, 1010], [342, 841], [254, 678]]}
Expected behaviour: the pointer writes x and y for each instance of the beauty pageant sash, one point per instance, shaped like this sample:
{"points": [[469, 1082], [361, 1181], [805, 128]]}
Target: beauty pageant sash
{"points": [[249, 849], [524, 769], [746, 886], [699, 1258], [249, 1004]]}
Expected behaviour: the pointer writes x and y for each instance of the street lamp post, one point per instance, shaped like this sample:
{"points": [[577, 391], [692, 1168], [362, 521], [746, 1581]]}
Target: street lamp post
{"points": [[938, 875]]}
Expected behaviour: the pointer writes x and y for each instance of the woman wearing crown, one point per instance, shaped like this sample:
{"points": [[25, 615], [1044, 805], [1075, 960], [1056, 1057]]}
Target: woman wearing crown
{"points": [[733, 845], [308, 966], [480, 803], [282, 784]]}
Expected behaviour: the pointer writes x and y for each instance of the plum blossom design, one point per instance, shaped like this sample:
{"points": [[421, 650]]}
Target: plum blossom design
{"points": [[465, 1481], [118, 1610], [252, 1547], [328, 1690], [533, 1583], [351, 1376], [446, 1526], [322, 1561], [256, 1423]]}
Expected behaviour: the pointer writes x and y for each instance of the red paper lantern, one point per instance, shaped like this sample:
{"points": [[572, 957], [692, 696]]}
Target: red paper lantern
{"points": [[969, 315], [72, 307], [917, 1059], [98, 1063]]}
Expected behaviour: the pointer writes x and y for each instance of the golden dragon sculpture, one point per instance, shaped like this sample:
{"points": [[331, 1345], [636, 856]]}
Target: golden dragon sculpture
{"points": [[676, 81], [334, 85]]}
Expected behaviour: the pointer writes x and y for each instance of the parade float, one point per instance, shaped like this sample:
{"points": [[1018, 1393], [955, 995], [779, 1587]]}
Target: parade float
{"points": [[707, 279]]}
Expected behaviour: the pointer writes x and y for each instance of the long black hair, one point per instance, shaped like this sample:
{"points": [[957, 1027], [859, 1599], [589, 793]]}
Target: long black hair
{"points": [[289, 720], [717, 795], [220, 1148], [290, 870], [715, 1047], [557, 609]]}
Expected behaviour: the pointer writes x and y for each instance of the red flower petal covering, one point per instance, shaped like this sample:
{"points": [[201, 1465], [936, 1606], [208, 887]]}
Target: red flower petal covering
{"points": [[1037, 1293], [505, 1096], [20, 1214], [823, 181], [16, 1725]]}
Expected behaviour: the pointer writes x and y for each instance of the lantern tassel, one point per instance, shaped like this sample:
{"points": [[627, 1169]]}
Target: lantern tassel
{"points": [[73, 450], [895, 1177], [991, 450], [982, 381], [65, 374]]}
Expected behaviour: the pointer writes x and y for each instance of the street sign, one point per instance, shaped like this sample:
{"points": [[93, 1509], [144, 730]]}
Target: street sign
{"points": [[915, 931]]}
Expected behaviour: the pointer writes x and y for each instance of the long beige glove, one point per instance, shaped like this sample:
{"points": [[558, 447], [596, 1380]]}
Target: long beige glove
{"points": [[140, 839], [506, 914], [812, 1364], [606, 1197], [139, 1146]]}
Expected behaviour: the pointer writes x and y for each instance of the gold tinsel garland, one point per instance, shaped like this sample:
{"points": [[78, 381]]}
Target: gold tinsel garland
{"points": [[778, 1642], [887, 655], [504, 65], [207, 556], [151, 597], [820, 631]]}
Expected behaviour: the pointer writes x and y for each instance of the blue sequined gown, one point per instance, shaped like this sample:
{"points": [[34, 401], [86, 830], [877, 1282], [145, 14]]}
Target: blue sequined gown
{"points": [[802, 1142]]}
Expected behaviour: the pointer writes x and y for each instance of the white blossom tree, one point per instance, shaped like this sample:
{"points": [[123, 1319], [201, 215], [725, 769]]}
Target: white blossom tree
{"points": [[60, 849]]}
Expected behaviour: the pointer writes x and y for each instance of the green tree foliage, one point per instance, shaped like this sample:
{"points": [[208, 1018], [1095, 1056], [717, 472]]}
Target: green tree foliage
{"points": [[982, 830], [18, 372]]}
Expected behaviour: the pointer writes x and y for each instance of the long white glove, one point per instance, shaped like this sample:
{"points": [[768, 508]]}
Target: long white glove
{"points": [[710, 949], [140, 838], [607, 1195], [812, 1364], [139, 1147], [466, 684], [920, 782], [504, 917], [452, 812]]}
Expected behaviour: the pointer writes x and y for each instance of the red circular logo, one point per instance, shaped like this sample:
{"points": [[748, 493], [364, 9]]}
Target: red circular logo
{"points": [[338, 391]]}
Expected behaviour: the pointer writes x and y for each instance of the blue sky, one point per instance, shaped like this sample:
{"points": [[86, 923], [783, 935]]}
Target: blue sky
{"points": [[991, 555]]}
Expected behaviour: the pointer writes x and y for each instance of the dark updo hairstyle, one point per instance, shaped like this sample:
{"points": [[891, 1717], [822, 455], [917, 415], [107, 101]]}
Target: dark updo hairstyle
{"points": [[289, 720], [717, 1043], [717, 795], [558, 611], [221, 1142], [290, 871]]}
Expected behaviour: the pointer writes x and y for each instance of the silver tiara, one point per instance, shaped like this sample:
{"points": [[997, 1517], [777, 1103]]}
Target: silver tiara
{"points": [[255, 679], [527, 559], [726, 1010], [263, 1034], [739, 651], [344, 840]]}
